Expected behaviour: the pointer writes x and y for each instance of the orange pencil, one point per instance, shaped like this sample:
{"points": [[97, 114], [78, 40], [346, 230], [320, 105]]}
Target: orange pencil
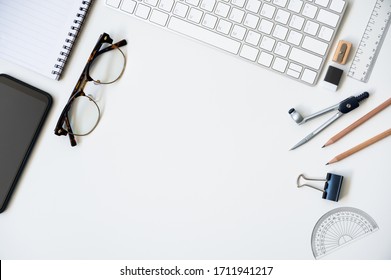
{"points": [[361, 120], [361, 146]]}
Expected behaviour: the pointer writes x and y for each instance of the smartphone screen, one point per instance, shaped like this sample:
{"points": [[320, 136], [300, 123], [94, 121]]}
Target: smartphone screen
{"points": [[23, 109]]}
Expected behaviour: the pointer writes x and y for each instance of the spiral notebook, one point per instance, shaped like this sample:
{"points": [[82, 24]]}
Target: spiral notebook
{"points": [[38, 34]]}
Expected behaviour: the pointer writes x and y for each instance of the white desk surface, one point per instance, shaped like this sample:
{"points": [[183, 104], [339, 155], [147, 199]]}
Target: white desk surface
{"points": [[191, 158]]}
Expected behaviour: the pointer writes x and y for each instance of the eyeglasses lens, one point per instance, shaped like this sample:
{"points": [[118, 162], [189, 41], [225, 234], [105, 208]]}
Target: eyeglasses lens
{"points": [[83, 115], [107, 67]]}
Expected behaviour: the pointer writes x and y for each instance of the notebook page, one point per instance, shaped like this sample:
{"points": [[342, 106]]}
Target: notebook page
{"points": [[33, 33]]}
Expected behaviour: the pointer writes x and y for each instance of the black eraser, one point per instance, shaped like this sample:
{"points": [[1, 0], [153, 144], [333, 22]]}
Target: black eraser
{"points": [[332, 78]]}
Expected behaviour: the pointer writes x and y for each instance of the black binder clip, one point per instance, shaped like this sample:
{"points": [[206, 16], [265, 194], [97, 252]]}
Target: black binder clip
{"points": [[332, 187]]}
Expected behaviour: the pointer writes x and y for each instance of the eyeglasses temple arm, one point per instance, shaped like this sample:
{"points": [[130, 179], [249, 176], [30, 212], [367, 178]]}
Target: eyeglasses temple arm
{"points": [[112, 47], [70, 132]]}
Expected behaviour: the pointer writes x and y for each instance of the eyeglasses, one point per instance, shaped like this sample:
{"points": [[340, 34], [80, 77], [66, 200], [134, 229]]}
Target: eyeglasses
{"points": [[81, 114]]}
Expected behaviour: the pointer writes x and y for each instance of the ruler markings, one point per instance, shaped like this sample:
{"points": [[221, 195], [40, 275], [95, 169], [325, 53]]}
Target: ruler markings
{"points": [[371, 41]]}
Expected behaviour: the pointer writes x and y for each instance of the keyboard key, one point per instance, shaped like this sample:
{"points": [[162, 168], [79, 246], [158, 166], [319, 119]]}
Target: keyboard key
{"points": [[249, 52], [314, 45], [193, 2], [305, 58], [280, 64], [238, 32], [293, 73], [281, 3], [280, 32], [180, 9], [295, 67], [295, 5], [294, 37], [113, 3], [253, 6], [166, 5], [265, 26], [251, 20], [281, 49], [294, 70], [238, 3], [159, 17], [224, 26], [268, 11], [151, 2], [265, 59], [327, 17], [204, 35], [296, 22], [337, 5], [309, 76], [267, 43], [325, 33], [323, 3], [195, 15], [222, 9], [142, 11], [208, 5], [311, 27], [128, 6], [282, 16], [253, 38], [309, 10], [236, 15], [209, 21]]}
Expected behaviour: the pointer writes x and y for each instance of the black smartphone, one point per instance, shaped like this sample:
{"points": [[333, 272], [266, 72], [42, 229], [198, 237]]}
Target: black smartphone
{"points": [[23, 110]]}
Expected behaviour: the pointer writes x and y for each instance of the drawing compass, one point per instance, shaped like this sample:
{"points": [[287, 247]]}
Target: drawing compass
{"points": [[342, 108]]}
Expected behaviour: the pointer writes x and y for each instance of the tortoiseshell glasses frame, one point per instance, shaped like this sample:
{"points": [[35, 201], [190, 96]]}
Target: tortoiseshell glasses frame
{"points": [[63, 126]]}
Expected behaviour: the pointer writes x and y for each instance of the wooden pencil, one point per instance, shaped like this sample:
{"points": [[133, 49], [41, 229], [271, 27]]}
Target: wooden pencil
{"points": [[361, 120], [361, 146]]}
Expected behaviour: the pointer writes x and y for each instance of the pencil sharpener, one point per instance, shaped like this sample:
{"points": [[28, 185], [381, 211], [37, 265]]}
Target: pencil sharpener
{"points": [[342, 52]]}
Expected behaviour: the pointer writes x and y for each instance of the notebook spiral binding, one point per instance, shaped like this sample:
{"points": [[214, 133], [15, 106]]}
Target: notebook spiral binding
{"points": [[70, 40]]}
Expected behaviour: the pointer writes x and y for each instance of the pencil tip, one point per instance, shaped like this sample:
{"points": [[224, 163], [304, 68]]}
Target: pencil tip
{"points": [[323, 146], [327, 163]]}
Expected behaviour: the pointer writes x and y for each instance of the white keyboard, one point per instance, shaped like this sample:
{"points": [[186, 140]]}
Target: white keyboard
{"points": [[290, 37]]}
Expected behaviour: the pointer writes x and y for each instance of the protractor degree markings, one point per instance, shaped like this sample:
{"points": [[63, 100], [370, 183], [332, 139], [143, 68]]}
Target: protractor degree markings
{"points": [[352, 226], [331, 232], [338, 228]]}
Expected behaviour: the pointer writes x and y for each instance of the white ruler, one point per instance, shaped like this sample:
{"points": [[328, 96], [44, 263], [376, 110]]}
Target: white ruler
{"points": [[371, 41]]}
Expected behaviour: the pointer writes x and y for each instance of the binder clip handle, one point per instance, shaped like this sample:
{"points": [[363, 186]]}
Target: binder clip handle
{"points": [[307, 185], [332, 187]]}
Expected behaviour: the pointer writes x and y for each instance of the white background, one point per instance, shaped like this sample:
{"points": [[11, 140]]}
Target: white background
{"points": [[111, 269], [191, 158]]}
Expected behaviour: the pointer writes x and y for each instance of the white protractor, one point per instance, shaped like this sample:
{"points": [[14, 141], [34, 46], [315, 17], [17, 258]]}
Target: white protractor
{"points": [[338, 228], [371, 41]]}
